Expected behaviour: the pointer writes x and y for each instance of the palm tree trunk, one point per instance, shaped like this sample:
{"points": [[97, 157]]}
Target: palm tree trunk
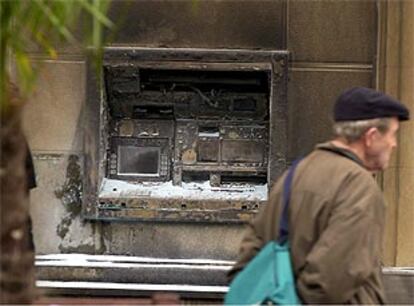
{"points": [[16, 260]]}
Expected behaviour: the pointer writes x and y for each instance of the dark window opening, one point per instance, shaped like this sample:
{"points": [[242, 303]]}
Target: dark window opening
{"points": [[153, 112], [208, 130], [244, 105], [195, 177], [184, 80], [244, 179]]}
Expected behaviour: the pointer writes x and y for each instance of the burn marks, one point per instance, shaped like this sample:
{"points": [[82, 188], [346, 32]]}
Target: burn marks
{"points": [[70, 195], [71, 192], [205, 118]]}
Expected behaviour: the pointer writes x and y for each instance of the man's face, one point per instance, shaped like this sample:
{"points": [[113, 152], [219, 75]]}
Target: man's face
{"points": [[379, 146]]}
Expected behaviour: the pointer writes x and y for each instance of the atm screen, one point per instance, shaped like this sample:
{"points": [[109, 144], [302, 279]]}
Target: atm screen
{"points": [[140, 161]]}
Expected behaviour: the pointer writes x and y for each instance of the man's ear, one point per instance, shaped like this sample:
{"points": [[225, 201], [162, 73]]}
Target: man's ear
{"points": [[370, 135]]}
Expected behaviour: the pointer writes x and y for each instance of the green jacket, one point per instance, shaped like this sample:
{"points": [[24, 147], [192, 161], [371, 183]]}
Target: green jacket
{"points": [[336, 222]]}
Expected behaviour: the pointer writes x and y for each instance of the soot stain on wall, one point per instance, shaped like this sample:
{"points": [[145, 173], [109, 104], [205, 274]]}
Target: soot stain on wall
{"points": [[70, 195]]}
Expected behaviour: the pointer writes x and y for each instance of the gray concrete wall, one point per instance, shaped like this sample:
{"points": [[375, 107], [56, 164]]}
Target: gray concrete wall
{"points": [[236, 24], [52, 123]]}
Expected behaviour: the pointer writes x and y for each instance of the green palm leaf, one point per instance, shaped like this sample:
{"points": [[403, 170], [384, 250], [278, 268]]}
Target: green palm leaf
{"points": [[43, 25]]}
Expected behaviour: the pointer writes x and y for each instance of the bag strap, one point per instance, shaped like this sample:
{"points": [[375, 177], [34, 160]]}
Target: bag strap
{"points": [[284, 219], [344, 153]]}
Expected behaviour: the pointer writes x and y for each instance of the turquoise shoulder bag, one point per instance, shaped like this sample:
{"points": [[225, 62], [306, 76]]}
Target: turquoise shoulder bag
{"points": [[268, 277]]}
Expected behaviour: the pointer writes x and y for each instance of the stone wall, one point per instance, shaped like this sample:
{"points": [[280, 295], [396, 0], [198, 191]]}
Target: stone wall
{"points": [[333, 46]]}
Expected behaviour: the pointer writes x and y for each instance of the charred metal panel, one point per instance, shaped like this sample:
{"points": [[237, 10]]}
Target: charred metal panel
{"points": [[189, 135], [220, 148]]}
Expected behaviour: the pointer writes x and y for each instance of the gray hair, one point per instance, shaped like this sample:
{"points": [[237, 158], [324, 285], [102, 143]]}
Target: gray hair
{"points": [[353, 130]]}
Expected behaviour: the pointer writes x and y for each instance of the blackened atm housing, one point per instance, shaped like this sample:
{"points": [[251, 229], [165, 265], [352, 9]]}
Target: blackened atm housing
{"points": [[192, 138]]}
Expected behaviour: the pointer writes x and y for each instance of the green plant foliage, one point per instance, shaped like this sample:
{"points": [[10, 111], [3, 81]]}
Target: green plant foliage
{"points": [[42, 25]]}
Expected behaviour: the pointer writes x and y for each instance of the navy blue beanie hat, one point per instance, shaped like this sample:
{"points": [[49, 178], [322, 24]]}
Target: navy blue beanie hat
{"points": [[361, 103]]}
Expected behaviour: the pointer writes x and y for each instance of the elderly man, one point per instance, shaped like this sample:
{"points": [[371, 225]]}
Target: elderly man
{"points": [[336, 212]]}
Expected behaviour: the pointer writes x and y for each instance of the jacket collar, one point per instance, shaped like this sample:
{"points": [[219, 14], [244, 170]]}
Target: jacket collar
{"points": [[328, 146]]}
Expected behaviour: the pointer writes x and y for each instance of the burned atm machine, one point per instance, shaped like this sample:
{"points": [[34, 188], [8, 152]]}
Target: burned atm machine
{"points": [[184, 134]]}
